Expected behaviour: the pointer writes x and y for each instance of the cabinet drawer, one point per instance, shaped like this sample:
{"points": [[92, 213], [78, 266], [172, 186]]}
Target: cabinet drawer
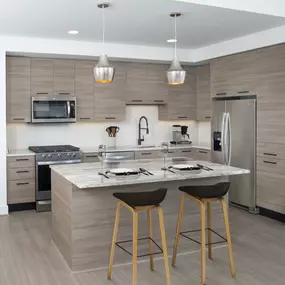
{"points": [[91, 157], [180, 152], [21, 191], [21, 173], [271, 150], [21, 161], [202, 154], [148, 154]]}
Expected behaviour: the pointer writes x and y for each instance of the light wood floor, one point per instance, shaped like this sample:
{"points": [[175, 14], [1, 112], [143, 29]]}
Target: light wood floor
{"points": [[28, 257]]}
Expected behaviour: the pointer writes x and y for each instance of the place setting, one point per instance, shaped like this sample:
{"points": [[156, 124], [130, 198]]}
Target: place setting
{"points": [[121, 173]]}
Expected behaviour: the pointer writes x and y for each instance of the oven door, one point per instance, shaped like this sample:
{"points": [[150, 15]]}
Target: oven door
{"points": [[53, 110], [43, 178]]}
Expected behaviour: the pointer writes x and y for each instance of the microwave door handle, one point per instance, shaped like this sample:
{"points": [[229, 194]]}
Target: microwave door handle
{"points": [[68, 109]]}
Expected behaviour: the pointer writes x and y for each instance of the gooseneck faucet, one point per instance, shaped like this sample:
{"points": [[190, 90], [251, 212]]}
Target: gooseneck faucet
{"points": [[141, 139]]}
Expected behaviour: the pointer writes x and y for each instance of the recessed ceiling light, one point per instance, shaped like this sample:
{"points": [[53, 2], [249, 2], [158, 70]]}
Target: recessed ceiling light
{"points": [[73, 32], [172, 41]]}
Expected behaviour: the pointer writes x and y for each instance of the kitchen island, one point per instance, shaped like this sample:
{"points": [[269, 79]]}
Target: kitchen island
{"points": [[83, 207]]}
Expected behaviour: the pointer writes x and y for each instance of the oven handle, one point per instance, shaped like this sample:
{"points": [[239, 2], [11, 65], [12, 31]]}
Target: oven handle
{"points": [[59, 162]]}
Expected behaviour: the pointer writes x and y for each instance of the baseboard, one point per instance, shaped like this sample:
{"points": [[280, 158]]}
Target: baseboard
{"points": [[3, 210], [272, 214]]}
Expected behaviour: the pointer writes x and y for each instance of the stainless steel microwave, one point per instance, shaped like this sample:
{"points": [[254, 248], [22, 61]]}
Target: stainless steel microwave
{"points": [[60, 109]]}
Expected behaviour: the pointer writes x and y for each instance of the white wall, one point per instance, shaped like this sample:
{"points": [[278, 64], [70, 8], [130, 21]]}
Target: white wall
{"points": [[3, 174], [21, 136], [204, 134]]}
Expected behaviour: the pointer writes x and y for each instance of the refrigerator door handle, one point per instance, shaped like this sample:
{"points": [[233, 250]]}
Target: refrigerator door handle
{"points": [[230, 139], [223, 137], [226, 140]]}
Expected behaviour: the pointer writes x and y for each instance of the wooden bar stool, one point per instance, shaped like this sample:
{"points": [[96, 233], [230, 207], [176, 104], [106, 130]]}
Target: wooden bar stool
{"points": [[205, 195], [135, 203]]}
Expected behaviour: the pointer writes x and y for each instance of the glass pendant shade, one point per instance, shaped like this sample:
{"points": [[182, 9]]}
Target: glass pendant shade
{"points": [[175, 74], [103, 71]]}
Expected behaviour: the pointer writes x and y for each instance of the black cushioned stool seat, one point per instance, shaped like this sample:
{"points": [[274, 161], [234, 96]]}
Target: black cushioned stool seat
{"points": [[207, 191], [141, 199]]}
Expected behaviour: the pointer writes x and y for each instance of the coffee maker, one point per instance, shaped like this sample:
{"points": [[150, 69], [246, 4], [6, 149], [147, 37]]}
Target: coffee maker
{"points": [[180, 135]]}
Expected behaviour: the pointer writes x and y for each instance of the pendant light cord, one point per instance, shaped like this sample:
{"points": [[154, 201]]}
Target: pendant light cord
{"points": [[103, 25], [175, 34]]}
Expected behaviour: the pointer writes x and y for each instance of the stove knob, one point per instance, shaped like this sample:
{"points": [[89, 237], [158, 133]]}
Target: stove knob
{"points": [[44, 156], [59, 155], [73, 154], [68, 154], [49, 156]]}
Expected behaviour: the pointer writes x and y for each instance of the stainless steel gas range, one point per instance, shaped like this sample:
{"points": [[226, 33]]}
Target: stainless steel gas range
{"points": [[46, 156]]}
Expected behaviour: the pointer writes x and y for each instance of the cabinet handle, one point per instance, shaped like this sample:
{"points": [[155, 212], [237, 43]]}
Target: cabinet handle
{"points": [[269, 162], [208, 117], [170, 151], [158, 101], [243, 92], [85, 118], [63, 93], [186, 150], [220, 94], [183, 117], [23, 183], [42, 93], [136, 100], [22, 159], [95, 156], [23, 171], [18, 119], [145, 153], [201, 151], [270, 154], [110, 118]]}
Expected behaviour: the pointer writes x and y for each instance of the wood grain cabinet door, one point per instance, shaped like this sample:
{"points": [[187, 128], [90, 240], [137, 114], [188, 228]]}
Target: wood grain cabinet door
{"points": [[110, 102], [84, 89], [41, 77], [18, 90], [236, 74], [204, 100], [146, 83], [64, 77], [181, 99]]}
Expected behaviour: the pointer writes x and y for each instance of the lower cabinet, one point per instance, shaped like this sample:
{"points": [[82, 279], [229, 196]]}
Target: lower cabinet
{"points": [[90, 157], [148, 154], [270, 183], [21, 184], [202, 154]]}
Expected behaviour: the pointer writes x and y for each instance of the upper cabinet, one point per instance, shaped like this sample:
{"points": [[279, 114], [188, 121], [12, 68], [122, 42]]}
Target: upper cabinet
{"points": [[41, 77], [84, 89], [18, 89], [181, 99], [204, 100], [63, 77], [146, 83], [235, 75], [109, 98]]}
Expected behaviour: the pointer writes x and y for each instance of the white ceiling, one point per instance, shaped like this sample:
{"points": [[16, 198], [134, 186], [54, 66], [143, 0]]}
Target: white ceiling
{"points": [[142, 22]]}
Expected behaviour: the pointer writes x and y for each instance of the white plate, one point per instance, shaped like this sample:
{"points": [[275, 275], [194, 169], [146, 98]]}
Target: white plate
{"points": [[122, 170], [182, 166]]}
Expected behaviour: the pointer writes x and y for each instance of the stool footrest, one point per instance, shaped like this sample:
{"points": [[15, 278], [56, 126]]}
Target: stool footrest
{"points": [[142, 255], [217, 242]]}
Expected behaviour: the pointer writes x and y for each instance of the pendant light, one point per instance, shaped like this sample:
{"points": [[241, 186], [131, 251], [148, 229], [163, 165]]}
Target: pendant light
{"points": [[175, 74], [103, 71]]}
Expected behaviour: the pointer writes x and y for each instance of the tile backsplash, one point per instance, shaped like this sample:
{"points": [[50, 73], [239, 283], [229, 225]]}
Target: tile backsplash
{"points": [[21, 136]]}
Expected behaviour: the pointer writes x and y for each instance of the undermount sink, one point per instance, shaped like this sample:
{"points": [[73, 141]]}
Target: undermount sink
{"points": [[146, 146]]}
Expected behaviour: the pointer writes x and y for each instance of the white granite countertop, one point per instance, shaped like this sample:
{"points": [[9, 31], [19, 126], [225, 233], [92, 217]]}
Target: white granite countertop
{"points": [[137, 148], [25, 152], [19, 152], [85, 175]]}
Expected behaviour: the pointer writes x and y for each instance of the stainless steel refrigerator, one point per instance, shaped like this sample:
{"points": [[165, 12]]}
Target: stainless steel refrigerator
{"points": [[234, 143]]}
